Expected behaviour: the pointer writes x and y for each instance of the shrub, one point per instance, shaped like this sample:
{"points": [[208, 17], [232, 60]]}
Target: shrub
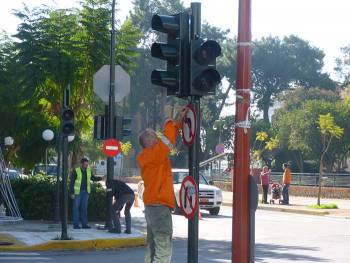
{"points": [[324, 206], [35, 197]]}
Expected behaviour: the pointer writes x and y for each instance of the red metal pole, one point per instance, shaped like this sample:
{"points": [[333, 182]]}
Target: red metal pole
{"points": [[240, 224]]}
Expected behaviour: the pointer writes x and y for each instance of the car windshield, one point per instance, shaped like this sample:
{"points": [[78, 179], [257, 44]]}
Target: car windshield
{"points": [[13, 174], [179, 176], [51, 169]]}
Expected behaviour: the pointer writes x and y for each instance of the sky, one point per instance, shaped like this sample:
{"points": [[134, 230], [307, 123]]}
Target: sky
{"points": [[324, 23]]}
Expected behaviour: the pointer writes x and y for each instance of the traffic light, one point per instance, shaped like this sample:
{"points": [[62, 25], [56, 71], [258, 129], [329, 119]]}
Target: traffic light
{"points": [[175, 52], [67, 122], [99, 127], [204, 76], [122, 127]]}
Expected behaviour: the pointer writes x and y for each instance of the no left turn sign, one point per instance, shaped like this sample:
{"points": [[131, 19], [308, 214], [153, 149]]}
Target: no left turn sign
{"points": [[189, 197]]}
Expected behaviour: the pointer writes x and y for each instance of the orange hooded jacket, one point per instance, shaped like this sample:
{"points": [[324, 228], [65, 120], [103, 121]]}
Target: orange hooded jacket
{"points": [[156, 169]]}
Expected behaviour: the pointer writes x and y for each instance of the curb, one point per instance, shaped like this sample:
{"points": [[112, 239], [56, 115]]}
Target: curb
{"points": [[288, 210], [93, 244]]}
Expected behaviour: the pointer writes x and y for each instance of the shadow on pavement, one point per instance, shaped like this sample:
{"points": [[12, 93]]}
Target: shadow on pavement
{"points": [[264, 252], [220, 251]]}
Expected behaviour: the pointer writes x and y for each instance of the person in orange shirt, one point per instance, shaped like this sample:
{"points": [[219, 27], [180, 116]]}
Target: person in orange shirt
{"points": [[287, 178], [158, 195]]}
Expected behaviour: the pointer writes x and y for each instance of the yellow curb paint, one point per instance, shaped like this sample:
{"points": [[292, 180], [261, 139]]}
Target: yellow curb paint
{"points": [[79, 244], [10, 238]]}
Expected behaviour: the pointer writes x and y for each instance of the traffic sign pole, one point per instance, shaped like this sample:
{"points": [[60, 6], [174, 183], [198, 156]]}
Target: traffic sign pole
{"points": [[110, 161], [192, 246]]}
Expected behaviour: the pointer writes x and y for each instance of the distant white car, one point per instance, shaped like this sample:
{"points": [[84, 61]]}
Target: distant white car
{"points": [[210, 196]]}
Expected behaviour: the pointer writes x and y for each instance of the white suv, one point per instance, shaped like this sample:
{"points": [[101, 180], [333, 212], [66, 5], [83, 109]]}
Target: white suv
{"points": [[210, 197]]}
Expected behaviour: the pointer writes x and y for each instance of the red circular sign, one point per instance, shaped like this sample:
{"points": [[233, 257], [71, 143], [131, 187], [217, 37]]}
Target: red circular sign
{"points": [[188, 196], [111, 147], [189, 126]]}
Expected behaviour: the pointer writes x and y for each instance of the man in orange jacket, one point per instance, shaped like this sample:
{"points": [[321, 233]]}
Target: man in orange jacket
{"points": [[158, 196]]}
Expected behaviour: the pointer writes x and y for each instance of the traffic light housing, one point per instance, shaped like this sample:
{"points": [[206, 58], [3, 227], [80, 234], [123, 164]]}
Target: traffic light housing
{"points": [[67, 122], [122, 127], [204, 76], [99, 127], [175, 52]]}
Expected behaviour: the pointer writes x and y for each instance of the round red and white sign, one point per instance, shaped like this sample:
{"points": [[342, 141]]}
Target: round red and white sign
{"points": [[189, 126], [189, 197], [111, 147]]}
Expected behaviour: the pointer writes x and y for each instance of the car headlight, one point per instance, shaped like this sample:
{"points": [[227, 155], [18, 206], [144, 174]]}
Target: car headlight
{"points": [[218, 193]]}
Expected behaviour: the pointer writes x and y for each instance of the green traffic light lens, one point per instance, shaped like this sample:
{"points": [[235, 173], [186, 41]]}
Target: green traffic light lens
{"points": [[207, 80]]}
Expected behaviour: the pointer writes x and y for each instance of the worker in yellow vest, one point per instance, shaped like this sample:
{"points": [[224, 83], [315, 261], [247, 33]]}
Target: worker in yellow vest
{"points": [[79, 189]]}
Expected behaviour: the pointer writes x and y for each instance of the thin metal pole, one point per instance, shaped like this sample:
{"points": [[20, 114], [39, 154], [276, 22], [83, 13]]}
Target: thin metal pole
{"points": [[192, 246], [111, 108], [46, 160], [59, 169], [64, 235], [241, 210]]}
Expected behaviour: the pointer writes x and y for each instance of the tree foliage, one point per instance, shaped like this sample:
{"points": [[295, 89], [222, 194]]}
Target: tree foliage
{"points": [[55, 48]]}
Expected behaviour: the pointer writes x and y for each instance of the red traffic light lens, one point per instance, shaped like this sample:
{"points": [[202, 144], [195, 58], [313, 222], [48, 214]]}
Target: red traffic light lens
{"points": [[67, 115], [207, 52]]}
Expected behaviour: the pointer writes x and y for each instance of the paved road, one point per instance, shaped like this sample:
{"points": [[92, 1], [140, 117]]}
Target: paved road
{"points": [[280, 237]]}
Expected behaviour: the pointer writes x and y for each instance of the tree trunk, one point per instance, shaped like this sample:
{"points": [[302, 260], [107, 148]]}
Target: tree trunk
{"points": [[320, 181], [266, 113]]}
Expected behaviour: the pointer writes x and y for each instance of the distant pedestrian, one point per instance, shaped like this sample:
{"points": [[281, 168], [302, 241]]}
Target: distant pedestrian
{"points": [[265, 180], [79, 190], [123, 196], [158, 197], [286, 180]]}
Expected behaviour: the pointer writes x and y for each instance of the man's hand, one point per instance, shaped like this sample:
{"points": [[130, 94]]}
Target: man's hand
{"points": [[182, 113]]}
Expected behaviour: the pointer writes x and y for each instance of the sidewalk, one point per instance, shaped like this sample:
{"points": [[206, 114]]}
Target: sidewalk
{"points": [[299, 205], [41, 235]]}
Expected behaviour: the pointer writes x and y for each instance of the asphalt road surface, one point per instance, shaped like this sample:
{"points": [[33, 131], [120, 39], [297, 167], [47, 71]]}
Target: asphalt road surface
{"points": [[280, 237]]}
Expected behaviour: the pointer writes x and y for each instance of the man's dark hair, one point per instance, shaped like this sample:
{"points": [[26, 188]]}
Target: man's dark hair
{"points": [[84, 160]]}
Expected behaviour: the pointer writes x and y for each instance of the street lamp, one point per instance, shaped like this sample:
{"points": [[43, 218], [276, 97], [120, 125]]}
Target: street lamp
{"points": [[71, 138], [48, 136], [8, 141]]}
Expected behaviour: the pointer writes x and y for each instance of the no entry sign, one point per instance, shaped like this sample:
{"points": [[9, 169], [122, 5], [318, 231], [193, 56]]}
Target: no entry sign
{"points": [[111, 147], [189, 197], [189, 126]]}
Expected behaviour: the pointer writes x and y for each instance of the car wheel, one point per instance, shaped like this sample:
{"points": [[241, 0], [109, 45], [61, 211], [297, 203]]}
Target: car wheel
{"points": [[214, 211]]}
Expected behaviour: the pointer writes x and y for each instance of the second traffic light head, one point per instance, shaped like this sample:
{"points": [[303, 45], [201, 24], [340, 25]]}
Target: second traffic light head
{"points": [[67, 122], [204, 76]]}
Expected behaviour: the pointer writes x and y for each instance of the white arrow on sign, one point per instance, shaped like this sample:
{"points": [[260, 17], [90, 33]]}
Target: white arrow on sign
{"points": [[101, 83]]}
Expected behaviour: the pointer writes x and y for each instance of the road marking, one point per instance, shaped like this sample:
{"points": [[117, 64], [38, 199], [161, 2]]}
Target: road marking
{"points": [[19, 254], [25, 258], [22, 256]]}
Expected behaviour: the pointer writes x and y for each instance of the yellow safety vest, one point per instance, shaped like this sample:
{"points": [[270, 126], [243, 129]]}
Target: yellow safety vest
{"points": [[77, 182]]}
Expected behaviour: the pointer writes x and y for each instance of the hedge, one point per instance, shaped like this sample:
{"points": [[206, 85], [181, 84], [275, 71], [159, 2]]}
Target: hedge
{"points": [[35, 197]]}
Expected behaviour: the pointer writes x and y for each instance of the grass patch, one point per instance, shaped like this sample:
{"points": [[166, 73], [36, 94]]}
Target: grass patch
{"points": [[324, 206]]}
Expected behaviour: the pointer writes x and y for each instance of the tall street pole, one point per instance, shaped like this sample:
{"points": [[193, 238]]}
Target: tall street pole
{"points": [[64, 217], [241, 219], [192, 245], [111, 108]]}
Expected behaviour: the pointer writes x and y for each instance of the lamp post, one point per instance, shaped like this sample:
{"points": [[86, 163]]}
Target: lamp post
{"points": [[8, 141], [48, 136]]}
